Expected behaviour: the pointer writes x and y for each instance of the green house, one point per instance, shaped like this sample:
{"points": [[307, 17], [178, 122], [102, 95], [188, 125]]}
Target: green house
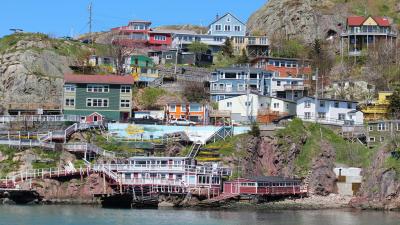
{"points": [[107, 95], [141, 61]]}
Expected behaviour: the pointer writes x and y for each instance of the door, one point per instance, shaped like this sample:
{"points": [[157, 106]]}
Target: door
{"points": [[228, 87]]}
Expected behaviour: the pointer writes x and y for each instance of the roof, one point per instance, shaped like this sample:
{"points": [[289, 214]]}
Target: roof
{"points": [[219, 18], [97, 79], [235, 69], [266, 179], [330, 99], [359, 20], [140, 21]]}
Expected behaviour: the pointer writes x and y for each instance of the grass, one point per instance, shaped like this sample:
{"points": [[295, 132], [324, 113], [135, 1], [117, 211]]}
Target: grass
{"points": [[114, 146], [8, 165], [227, 147], [394, 164]]}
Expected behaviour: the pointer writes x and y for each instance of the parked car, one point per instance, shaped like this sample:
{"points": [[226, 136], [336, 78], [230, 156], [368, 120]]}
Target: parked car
{"points": [[146, 120], [182, 122]]}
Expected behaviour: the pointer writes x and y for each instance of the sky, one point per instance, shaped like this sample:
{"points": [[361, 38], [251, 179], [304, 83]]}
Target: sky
{"points": [[70, 17]]}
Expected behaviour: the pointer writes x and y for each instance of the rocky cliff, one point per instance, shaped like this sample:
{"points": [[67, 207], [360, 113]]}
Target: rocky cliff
{"points": [[311, 19], [32, 68]]}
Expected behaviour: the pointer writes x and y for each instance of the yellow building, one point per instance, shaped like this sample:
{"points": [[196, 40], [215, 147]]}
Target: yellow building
{"points": [[378, 109], [255, 46]]}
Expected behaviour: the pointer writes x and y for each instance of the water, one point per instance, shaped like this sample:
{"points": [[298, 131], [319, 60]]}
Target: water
{"points": [[87, 215]]}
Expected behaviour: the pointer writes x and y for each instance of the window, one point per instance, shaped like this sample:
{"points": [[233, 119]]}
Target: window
{"points": [[321, 115], [371, 139], [97, 102], [307, 115], [371, 128], [253, 76], [322, 104], [69, 88], [307, 104], [125, 89], [98, 88], [69, 102], [349, 105], [230, 75], [221, 87], [195, 108], [276, 105], [160, 38], [172, 108], [237, 28], [218, 27], [228, 19], [218, 39], [214, 86], [229, 104], [381, 126], [382, 139], [125, 103], [247, 103], [398, 127], [263, 41], [241, 87], [168, 57], [336, 104], [341, 116], [278, 83], [227, 27], [183, 108], [239, 40]]}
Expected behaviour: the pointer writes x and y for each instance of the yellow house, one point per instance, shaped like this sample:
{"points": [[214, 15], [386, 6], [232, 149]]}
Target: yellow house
{"points": [[255, 46], [378, 109]]}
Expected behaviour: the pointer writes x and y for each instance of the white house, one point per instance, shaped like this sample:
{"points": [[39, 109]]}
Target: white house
{"points": [[329, 111], [245, 109]]}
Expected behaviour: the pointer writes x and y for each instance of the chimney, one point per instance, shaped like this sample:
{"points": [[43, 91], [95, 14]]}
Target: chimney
{"points": [[217, 17]]}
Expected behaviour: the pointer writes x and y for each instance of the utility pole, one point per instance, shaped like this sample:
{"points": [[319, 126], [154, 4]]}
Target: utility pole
{"points": [[90, 9], [316, 95]]}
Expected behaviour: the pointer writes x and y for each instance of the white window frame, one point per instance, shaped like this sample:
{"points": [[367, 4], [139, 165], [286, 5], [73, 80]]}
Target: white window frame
{"points": [[241, 87], [307, 115], [371, 128], [70, 88], [98, 88], [381, 138], [307, 104], [341, 116], [239, 28], [160, 38], [172, 108], [218, 25], [126, 89], [69, 102], [229, 104], [227, 28], [102, 102], [382, 128], [321, 115], [168, 56], [276, 105], [124, 103], [371, 139]]}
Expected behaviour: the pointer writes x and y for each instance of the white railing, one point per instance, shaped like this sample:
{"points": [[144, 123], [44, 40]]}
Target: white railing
{"points": [[39, 118]]}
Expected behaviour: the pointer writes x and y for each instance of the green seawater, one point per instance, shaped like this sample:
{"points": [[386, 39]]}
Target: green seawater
{"points": [[88, 215]]}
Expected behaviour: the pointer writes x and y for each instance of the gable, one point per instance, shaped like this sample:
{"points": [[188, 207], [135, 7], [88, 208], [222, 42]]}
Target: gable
{"points": [[223, 19], [370, 22]]}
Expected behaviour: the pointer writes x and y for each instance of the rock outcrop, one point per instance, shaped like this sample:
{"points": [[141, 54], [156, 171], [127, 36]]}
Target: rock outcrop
{"points": [[304, 19]]}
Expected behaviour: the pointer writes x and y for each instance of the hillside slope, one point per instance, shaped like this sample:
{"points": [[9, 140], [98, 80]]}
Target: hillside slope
{"points": [[310, 19]]}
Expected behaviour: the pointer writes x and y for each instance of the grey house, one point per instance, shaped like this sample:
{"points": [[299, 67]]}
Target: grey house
{"points": [[227, 25], [232, 82]]}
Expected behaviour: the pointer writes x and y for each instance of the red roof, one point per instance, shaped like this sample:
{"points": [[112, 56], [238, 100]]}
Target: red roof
{"points": [[98, 79], [359, 20]]}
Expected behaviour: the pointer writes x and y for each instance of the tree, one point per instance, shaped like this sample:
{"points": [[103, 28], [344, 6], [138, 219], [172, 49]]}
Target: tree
{"points": [[198, 47], [150, 96], [195, 92], [227, 48], [394, 106], [243, 58]]}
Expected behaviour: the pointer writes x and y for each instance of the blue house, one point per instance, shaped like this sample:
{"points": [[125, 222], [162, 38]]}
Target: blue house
{"points": [[227, 25], [232, 82]]}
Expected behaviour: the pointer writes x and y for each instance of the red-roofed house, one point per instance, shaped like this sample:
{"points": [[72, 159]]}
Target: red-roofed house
{"points": [[94, 97], [363, 32], [138, 34]]}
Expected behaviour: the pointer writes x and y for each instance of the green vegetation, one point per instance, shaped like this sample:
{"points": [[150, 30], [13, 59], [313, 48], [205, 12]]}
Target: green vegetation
{"points": [[49, 159], [394, 164], [310, 138], [227, 48], [394, 106], [198, 47], [149, 97], [255, 130], [291, 48], [115, 146], [8, 165], [227, 147]]}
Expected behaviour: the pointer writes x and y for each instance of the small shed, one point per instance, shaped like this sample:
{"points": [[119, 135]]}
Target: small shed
{"points": [[94, 118]]}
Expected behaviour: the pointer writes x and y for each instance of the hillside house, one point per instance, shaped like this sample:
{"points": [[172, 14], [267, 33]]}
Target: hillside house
{"points": [[255, 46], [227, 25], [192, 111], [231, 82], [380, 131], [329, 111], [284, 67], [379, 108], [363, 32], [107, 95], [245, 108]]}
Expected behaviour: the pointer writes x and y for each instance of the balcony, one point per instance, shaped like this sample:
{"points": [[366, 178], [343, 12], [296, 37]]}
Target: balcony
{"points": [[369, 32], [294, 87]]}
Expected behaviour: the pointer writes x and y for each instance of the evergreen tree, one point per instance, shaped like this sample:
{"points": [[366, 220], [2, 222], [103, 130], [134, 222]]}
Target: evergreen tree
{"points": [[227, 48], [243, 58], [394, 107]]}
